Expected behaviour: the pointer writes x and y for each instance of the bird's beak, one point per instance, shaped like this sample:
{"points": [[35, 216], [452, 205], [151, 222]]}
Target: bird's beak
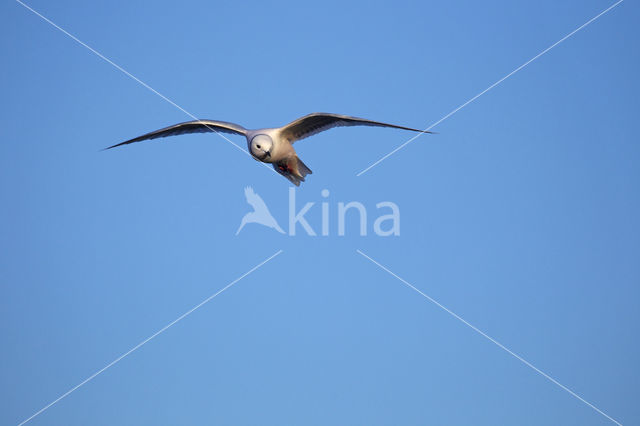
{"points": [[267, 154]]}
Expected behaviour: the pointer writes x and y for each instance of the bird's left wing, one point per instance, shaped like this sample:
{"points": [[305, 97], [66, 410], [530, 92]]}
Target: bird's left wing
{"points": [[198, 126], [320, 121]]}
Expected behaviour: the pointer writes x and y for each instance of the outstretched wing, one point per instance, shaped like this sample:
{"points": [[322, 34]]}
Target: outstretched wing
{"points": [[198, 126], [320, 121], [255, 200]]}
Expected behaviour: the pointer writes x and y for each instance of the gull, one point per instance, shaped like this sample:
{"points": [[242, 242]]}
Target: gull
{"points": [[260, 213], [272, 145]]}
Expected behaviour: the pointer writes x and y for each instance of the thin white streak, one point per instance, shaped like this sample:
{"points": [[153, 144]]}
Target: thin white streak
{"points": [[128, 74], [136, 347], [490, 87], [500, 345]]}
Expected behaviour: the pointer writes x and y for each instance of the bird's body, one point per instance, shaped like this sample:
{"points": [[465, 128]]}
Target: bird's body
{"points": [[272, 145]]}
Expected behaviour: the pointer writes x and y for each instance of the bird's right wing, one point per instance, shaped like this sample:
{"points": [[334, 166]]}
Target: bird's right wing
{"points": [[198, 126]]}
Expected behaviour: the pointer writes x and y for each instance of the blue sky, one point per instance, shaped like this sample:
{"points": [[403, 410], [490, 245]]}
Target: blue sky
{"points": [[521, 215]]}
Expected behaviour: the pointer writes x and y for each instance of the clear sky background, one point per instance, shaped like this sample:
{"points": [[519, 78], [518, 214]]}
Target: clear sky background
{"points": [[521, 215]]}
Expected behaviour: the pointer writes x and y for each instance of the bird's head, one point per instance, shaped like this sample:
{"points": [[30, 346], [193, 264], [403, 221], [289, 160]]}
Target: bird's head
{"points": [[261, 146]]}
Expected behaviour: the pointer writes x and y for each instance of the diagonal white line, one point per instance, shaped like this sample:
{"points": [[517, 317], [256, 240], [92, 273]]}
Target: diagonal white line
{"points": [[483, 334], [128, 74], [136, 347], [490, 87]]}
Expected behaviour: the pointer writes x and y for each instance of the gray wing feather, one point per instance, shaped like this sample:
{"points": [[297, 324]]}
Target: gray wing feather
{"points": [[197, 126], [320, 121]]}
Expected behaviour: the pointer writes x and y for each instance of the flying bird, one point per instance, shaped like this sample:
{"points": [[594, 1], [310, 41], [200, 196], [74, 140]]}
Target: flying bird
{"points": [[260, 213], [272, 145]]}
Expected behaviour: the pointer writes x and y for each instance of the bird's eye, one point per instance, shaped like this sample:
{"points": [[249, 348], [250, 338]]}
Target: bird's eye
{"points": [[258, 146]]}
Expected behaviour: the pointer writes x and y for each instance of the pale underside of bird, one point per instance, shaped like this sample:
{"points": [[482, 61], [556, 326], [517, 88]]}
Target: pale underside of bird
{"points": [[272, 145]]}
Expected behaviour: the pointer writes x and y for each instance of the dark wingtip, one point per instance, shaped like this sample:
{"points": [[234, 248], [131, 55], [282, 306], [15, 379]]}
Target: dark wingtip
{"points": [[418, 130], [114, 146]]}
